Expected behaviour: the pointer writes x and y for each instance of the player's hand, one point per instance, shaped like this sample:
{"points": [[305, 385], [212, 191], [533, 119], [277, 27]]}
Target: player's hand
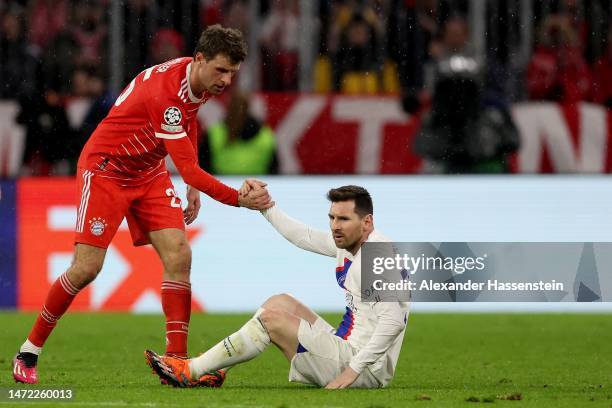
{"points": [[190, 213], [250, 184], [257, 197], [344, 380]]}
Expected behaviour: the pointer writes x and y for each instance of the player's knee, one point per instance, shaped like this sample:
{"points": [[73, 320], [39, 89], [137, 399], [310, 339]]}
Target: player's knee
{"points": [[82, 273], [271, 319], [283, 301]]}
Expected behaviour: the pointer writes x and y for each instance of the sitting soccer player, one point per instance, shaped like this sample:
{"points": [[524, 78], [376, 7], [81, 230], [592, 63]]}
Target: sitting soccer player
{"points": [[362, 352]]}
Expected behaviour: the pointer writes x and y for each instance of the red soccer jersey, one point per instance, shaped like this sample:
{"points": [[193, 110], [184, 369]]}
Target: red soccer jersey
{"points": [[156, 114]]}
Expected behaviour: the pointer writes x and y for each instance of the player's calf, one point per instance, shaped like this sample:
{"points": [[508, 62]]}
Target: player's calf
{"points": [[173, 248], [87, 263], [245, 344]]}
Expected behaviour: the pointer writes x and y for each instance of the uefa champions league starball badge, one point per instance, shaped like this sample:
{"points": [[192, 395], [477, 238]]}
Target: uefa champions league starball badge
{"points": [[97, 226], [172, 115]]}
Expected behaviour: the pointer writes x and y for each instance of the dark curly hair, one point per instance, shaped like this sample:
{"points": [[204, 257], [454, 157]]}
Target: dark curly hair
{"points": [[220, 40], [361, 197]]}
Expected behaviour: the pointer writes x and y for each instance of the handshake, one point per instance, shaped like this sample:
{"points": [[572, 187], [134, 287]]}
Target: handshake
{"points": [[254, 195]]}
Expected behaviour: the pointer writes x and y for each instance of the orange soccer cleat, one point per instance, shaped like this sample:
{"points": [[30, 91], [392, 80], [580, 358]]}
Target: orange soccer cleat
{"points": [[214, 379], [175, 371]]}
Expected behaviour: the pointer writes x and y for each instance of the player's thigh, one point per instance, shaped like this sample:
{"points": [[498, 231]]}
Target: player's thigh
{"points": [[319, 357], [101, 206], [323, 344], [323, 356], [309, 368], [157, 208]]}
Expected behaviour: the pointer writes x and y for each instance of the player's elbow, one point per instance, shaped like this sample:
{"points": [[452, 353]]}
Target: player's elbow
{"points": [[189, 175], [188, 179]]}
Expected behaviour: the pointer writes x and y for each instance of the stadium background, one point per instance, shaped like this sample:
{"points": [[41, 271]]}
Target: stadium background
{"points": [[347, 88]]}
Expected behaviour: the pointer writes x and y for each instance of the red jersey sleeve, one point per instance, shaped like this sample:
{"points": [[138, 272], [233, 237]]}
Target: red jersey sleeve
{"points": [[167, 117], [193, 131], [183, 155]]}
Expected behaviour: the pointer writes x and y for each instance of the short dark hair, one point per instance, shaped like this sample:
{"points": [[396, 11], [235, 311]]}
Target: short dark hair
{"points": [[361, 197], [221, 40]]}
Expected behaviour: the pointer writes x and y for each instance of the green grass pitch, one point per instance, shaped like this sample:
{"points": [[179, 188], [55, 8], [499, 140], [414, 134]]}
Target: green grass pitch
{"points": [[447, 360]]}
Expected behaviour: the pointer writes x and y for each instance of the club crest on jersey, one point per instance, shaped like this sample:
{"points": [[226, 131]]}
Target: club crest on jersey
{"points": [[173, 116], [97, 226]]}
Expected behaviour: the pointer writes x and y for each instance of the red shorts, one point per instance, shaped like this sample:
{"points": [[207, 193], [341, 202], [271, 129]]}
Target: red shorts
{"points": [[103, 204]]}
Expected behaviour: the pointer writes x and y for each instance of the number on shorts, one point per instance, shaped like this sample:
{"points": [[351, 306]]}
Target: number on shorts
{"points": [[175, 201]]}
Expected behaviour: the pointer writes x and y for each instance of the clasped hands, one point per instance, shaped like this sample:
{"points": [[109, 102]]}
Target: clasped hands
{"points": [[254, 195]]}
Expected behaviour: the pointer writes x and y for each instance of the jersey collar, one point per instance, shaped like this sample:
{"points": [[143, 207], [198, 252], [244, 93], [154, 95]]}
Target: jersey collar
{"points": [[192, 97]]}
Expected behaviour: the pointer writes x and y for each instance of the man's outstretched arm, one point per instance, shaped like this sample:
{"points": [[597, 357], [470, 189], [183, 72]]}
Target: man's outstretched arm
{"points": [[183, 155], [300, 234]]}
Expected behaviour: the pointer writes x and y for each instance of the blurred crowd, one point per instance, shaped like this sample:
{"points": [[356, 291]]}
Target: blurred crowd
{"points": [[54, 50]]}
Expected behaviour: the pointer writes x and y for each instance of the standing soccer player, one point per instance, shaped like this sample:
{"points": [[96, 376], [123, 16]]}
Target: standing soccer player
{"points": [[122, 174], [362, 352]]}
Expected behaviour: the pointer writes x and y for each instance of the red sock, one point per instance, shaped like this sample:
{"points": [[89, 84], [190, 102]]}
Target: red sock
{"points": [[58, 300], [176, 303]]}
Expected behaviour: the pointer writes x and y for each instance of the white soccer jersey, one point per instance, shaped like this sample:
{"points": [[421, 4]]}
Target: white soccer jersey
{"points": [[375, 329]]}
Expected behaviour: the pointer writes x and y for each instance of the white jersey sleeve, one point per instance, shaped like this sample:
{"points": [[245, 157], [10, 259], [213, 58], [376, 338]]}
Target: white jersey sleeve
{"points": [[299, 234], [391, 321]]}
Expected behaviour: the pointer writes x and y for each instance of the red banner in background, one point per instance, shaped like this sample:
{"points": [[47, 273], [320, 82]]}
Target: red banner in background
{"points": [[37, 241], [322, 134], [563, 139], [46, 220], [336, 134], [342, 135]]}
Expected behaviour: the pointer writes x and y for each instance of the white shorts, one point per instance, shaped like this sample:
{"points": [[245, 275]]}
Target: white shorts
{"points": [[323, 356]]}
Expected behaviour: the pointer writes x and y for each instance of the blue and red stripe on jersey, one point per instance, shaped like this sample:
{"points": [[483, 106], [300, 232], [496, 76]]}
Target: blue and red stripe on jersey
{"points": [[341, 272], [346, 326]]}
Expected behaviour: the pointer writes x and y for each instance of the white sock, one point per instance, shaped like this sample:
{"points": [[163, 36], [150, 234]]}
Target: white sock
{"points": [[28, 347], [243, 345]]}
